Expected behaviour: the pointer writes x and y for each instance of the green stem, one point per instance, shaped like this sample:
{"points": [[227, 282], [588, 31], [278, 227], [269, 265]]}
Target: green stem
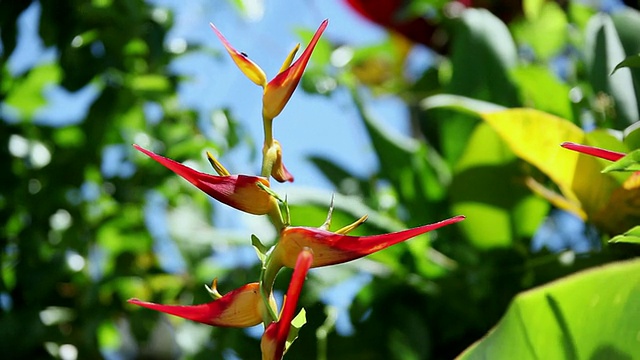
{"points": [[267, 157], [276, 217], [272, 316], [267, 279]]}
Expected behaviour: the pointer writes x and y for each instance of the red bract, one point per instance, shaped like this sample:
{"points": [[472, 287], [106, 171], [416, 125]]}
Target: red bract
{"points": [[238, 191], [594, 151], [332, 248], [276, 334], [279, 171], [386, 13], [395, 15], [242, 307], [278, 91]]}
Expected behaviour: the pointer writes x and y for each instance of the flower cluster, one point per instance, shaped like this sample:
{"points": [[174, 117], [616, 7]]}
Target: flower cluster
{"points": [[300, 248]]}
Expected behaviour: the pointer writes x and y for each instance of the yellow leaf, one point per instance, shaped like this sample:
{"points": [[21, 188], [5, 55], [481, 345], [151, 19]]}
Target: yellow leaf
{"points": [[536, 136]]}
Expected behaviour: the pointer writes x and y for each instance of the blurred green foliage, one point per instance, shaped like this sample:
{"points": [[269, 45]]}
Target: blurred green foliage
{"points": [[76, 241]]}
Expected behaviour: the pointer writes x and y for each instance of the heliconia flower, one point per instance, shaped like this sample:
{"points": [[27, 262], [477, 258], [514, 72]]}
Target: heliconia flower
{"points": [[279, 171], [331, 248], [276, 334], [278, 91], [242, 192], [594, 151], [242, 307]]}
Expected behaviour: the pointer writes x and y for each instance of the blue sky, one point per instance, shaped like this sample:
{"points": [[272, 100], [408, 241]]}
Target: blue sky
{"points": [[308, 125]]}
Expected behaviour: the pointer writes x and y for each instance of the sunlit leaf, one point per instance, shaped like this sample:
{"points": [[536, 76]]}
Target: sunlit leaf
{"points": [[630, 162], [632, 136], [532, 8], [488, 188], [590, 315], [27, 94], [632, 236], [150, 83], [461, 103], [545, 32], [543, 90], [536, 137], [296, 324]]}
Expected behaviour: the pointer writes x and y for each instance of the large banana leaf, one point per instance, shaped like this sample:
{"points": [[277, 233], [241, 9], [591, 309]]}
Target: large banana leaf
{"points": [[594, 314]]}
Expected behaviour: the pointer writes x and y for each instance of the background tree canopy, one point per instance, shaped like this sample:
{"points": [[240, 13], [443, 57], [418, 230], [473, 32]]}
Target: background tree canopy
{"points": [[488, 90]]}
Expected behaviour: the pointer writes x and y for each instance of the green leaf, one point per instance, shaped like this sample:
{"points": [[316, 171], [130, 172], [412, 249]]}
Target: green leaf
{"points": [[346, 182], [632, 136], [296, 324], [260, 248], [482, 54], [630, 162], [26, 95], [488, 189], [632, 237], [535, 136], [603, 51], [630, 61], [593, 314], [546, 32], [416, 172], [627, 24], [542, 90], [150, 83], [460, 103], [532, 8]]}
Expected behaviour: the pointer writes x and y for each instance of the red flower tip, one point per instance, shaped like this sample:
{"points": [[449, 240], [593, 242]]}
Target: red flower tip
{"points": [[593, 151], [276, 334], [242, 307], [279, 90], [331, 248], [238, 191]]}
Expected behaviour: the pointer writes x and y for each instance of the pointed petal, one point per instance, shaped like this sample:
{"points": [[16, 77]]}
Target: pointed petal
{"points": [[238, 191], [303, 264], [248, 67], [331, 248], [593, 151], [242, 307], [275, 335], [279, 90], [287, 62], [347, 229], [215, 164]]}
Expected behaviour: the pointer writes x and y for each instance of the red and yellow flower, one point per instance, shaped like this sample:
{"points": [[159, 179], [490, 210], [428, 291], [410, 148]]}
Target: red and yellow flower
{"points": [[242, 307], [331, 248], [278, 91], [243, 192]]}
